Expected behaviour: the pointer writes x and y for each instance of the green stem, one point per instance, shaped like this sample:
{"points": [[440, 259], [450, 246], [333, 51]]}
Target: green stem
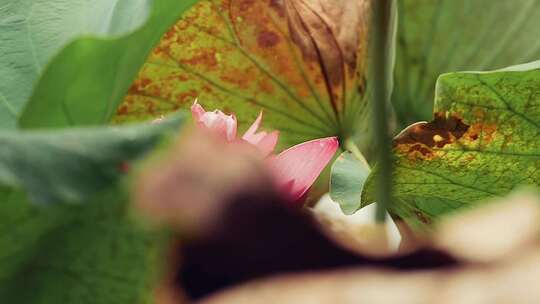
{"points": [[380, 70], [351, 147]]}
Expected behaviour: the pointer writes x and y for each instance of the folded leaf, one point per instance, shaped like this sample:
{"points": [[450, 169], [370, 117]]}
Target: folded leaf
{"points": [[483, 142], [32, 32], [84, 83], [348, 177]]}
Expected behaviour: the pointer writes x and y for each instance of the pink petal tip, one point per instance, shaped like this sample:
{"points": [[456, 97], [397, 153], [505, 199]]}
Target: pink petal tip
{"points": [[297, 168], [265, 142], [216, 121]]}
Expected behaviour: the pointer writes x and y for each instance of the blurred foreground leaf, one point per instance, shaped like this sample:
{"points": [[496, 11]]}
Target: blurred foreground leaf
{"points": [[88, 253], [72, 165], [63, 252]]}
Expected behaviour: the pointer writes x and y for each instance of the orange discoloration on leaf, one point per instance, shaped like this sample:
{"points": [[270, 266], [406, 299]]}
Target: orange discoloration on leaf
{"points": [[123, 110], [276, 54], [488, 132], [139, 85], [205, 57], [241, 78], [179, 78], [447, 128], [248, 55], [268, 39], [187, 97], [425, 140], [246, 5], [266, 86], [421, 140], [482, 132]]}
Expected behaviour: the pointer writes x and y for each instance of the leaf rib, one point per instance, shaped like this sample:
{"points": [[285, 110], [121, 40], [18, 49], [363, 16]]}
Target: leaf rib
{"points": [[508, 104], [11, 110], [448, 179], [303, 73], [272, 77], [234, 94]]}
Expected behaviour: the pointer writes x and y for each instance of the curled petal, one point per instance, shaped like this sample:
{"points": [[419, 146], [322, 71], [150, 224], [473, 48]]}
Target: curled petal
{"points": [[197, 111], [297, 168], [216, 121], [265, 142], [250, 134]]}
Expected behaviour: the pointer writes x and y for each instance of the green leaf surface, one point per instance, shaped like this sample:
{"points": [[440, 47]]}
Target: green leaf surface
{"points": [[482, 143], [74, 254], [66, 229], [72, 165], [304, 68], [33, 31], [347, 181], [84, 83], [440, 36]]}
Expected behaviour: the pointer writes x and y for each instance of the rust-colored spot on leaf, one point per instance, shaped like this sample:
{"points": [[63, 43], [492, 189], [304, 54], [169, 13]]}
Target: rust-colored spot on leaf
{"points": [[205, 57], [246, 5], [123, 110], [241, 78], [268, 39], [139, 85], [483, 131], [266, 86], [278, 6], [187, 97], [439, 132], [421, 149], [419, 139]]}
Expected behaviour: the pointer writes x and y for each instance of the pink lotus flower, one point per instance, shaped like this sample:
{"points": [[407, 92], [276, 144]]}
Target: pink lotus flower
{"points": [[294, 170]]}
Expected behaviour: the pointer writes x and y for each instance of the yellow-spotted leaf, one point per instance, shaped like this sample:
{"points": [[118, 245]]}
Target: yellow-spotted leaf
{"points": [[483, 142], [302, 62]]}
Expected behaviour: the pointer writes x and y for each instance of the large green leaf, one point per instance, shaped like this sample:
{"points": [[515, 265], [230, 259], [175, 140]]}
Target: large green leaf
{"points": [[88, 253], [33, 31], [72, 165], [85, 82], [302, 64], [440, 36], [482, 143]]}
